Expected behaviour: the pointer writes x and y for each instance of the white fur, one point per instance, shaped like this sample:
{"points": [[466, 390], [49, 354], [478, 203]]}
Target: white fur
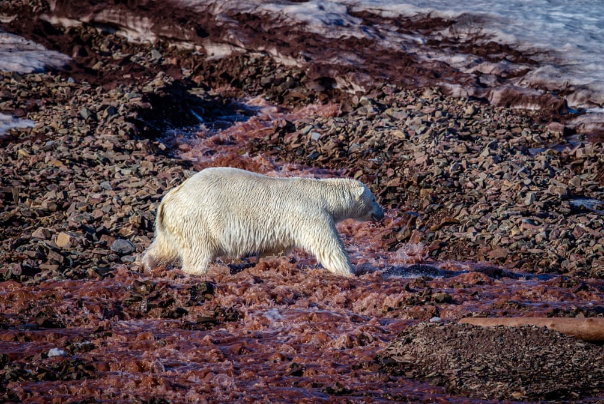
{"points": [[231, 212]]}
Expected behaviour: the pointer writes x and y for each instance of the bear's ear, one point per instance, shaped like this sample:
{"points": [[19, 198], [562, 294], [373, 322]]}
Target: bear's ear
{"points": [[359, 191]]}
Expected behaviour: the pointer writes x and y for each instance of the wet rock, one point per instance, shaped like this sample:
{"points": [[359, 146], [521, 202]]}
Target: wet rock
{"points": [[295, 369], [123, 247], [143, 287], [201, 292], [442, 297], [64, 240], [337, 389], [28, 327], [102, 271], [56, 352]]}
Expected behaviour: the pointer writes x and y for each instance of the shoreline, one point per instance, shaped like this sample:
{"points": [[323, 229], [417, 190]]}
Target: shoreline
{"points": [[462, 181], [350, 64]]}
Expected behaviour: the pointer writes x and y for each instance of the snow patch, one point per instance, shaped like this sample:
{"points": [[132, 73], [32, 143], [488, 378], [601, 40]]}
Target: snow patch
{"points": [[19, 55], [7, 122]]}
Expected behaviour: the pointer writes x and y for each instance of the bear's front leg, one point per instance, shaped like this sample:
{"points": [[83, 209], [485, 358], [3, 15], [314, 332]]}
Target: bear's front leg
{"points": [[325, 244]]}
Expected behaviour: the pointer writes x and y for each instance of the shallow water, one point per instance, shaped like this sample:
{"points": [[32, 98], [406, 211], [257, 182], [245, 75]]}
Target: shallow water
{"points": [[300, 330]]}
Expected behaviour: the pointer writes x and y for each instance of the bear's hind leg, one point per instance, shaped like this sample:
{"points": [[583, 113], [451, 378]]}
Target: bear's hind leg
{"points": [[159, 252], [196, 262]]}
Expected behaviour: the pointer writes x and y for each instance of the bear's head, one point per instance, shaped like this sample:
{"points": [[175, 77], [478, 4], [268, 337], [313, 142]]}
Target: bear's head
{"points": [[366, 207]]}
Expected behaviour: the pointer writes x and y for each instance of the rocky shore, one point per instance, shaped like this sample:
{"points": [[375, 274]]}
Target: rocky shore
{"points": [[501, 210], [471, 181]]}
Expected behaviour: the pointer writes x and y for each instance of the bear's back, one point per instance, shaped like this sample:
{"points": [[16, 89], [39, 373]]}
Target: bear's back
{"points": [[238, 192], [247, 212]]}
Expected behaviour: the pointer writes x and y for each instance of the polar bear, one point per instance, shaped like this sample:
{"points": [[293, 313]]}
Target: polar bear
{"points": [[230, 212]]}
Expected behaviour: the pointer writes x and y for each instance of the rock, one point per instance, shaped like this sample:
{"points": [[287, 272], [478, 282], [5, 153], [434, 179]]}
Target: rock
{"points": [[530, 198], [155, 54], [64, 240], [54, 256], [123, 247], [56, 352], [555, 127], [128, 259], [81, 218], [560, 191], [315, 136], [442, 297], [84, 113], [106, 185], [41, 233]]}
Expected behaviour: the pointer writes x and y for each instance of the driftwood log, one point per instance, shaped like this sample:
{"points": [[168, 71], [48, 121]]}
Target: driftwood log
{"points": [[587, 329]]}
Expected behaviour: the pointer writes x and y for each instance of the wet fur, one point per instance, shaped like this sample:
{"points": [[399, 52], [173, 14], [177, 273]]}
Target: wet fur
{"points": [[231, 212]]}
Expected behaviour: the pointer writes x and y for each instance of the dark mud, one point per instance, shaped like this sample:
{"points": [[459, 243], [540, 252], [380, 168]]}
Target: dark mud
{"points": [[524, 363]]}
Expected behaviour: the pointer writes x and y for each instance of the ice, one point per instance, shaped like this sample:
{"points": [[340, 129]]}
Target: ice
{"points": [[318, 15], [19, 55], [7, 122], [569, 41]]}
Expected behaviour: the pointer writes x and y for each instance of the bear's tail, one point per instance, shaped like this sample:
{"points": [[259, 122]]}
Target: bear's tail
{"points": [[162, 250]]}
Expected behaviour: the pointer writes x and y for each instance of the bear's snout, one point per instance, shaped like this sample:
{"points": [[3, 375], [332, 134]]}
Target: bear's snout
{"points": [[378, 215]]}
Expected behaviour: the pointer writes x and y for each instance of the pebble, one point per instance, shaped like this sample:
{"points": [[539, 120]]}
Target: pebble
{"points": [[56, 352], [123, 247], [464, 165], [420, 151], [155, 54], [63, 240]]}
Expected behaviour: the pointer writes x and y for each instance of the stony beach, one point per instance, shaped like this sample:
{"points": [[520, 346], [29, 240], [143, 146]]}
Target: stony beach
{"points": [[490, 211]]}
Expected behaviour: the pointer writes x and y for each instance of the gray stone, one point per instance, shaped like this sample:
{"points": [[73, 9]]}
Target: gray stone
{"points": [[155, 54], [123, 247], [315, 136], [106, 185], [56, 352]]}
